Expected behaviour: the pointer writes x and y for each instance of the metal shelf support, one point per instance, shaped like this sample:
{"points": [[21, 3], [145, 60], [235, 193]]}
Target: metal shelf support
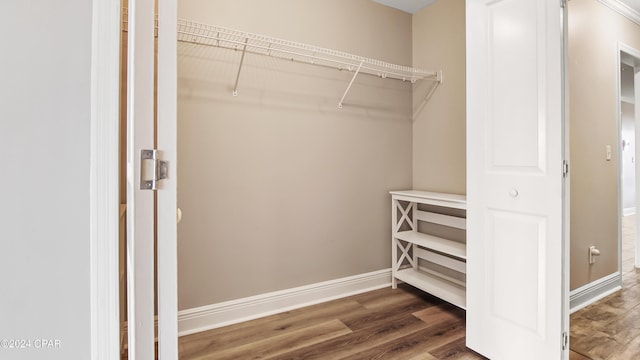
{"points": [[244, 51], [349, 86]]}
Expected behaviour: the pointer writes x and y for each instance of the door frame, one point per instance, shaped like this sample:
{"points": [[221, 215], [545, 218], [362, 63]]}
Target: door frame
{"points": [[566, 186], [104, 180], [624, 48]]}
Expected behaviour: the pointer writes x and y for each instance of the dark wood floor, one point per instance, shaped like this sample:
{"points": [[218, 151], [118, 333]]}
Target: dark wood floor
{"points": [[382, 324], [610, 328], [409, 324]]}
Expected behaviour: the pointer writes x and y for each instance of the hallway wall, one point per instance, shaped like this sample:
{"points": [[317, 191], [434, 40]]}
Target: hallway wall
{"points": [[594, 33]]}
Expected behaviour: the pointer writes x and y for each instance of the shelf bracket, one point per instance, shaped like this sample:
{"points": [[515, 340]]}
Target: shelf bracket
{"points": [[244, 51], [350, 83], [437, 82]]}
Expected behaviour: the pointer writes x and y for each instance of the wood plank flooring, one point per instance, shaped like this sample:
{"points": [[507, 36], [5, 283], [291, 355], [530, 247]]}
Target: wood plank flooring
{"points": [[408, 324], [610, 328], [384, 324]]}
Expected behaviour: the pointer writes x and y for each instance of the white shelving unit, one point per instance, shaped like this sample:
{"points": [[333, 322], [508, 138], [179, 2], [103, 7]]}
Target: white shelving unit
{"points": [[434, 264], [209, 35]]}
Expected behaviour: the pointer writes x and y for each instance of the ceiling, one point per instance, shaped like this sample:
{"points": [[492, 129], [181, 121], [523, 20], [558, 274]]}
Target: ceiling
{"points": [[412, 6]]}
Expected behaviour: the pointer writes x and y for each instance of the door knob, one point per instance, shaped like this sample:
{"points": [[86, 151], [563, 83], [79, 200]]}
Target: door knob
{"points": [[178, 216], [513, 193]]}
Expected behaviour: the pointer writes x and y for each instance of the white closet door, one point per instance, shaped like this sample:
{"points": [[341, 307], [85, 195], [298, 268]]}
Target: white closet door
{"points": [[167, 196], [514, 179], [141, 215], [140, 203]]}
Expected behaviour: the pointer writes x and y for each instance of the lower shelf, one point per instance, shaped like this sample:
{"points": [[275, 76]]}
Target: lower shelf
{"points": [[435, 286]]}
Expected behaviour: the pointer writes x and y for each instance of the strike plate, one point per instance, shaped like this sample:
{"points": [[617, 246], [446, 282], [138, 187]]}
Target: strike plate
{"points": [[159, 169]]}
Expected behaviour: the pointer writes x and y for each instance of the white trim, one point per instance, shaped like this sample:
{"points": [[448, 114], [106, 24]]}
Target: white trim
{"points": [[104, 204], [167, 233], [628, 50], [234, 311], [594, 291], [140, 203], [622, 9], [566, 183], [629, 211]]}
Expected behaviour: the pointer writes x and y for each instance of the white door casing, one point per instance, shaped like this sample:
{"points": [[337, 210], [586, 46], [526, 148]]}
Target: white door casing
{"points": [[636, 93], [514, 178], [635, 53]]}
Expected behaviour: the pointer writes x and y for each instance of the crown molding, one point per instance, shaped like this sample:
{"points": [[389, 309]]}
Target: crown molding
{"points": [[623, 9]]}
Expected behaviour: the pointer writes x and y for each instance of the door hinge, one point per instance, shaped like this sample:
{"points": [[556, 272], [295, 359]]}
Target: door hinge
{"points": [[565, 168], [159, 169], [565, 340], [563, 3]]}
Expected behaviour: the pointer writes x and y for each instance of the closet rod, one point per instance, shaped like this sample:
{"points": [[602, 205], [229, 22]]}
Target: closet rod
{"points": [[204, 34]]}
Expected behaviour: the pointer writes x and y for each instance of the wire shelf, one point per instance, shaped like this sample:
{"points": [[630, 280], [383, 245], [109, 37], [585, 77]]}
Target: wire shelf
{"points": [[204, 34]]}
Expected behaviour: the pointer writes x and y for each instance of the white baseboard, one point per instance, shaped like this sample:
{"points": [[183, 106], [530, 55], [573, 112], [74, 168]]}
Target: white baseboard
{"points": [[231, 312], [594, 291], [629, 211]]}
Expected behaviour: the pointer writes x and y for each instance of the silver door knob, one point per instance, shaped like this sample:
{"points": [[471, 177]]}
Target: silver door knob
{"points": [[513, 193]]}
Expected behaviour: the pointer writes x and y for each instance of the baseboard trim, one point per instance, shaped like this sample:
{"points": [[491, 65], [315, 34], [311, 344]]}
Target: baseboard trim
{"points": [[629, 211], [594, 291], [212, 316]]}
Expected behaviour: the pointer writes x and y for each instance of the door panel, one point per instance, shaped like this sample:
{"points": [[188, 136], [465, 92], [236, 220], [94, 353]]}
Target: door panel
{"points": [[140, 203], [167, 197], [514, 179], [525, 306], [512, 45]]}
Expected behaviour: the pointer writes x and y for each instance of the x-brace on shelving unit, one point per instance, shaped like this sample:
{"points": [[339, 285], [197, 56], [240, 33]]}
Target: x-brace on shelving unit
{"points": [[209, 35]]}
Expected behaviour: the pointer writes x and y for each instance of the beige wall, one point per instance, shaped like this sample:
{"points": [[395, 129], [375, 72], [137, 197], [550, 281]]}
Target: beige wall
{"points": [[594, 32], [279, 188], [439, 140]]}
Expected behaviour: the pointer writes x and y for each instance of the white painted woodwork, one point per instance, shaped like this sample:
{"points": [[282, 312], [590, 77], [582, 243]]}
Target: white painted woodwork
{"points": [[636, 90], [447, 220], [167, 201], [453, 201], [434, 285], [106, 315], [442, 260], [140, 214], [415, 246], [436, 243], [633, 58], [515, 240]]}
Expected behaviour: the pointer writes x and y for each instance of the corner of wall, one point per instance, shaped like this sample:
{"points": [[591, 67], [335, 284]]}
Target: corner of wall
{"points": [[439, 128]]}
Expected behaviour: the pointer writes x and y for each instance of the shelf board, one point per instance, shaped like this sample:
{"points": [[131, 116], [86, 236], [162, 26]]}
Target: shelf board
{"points": [[441, 219], [454, 201], [436, 243], [434, 285]]}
